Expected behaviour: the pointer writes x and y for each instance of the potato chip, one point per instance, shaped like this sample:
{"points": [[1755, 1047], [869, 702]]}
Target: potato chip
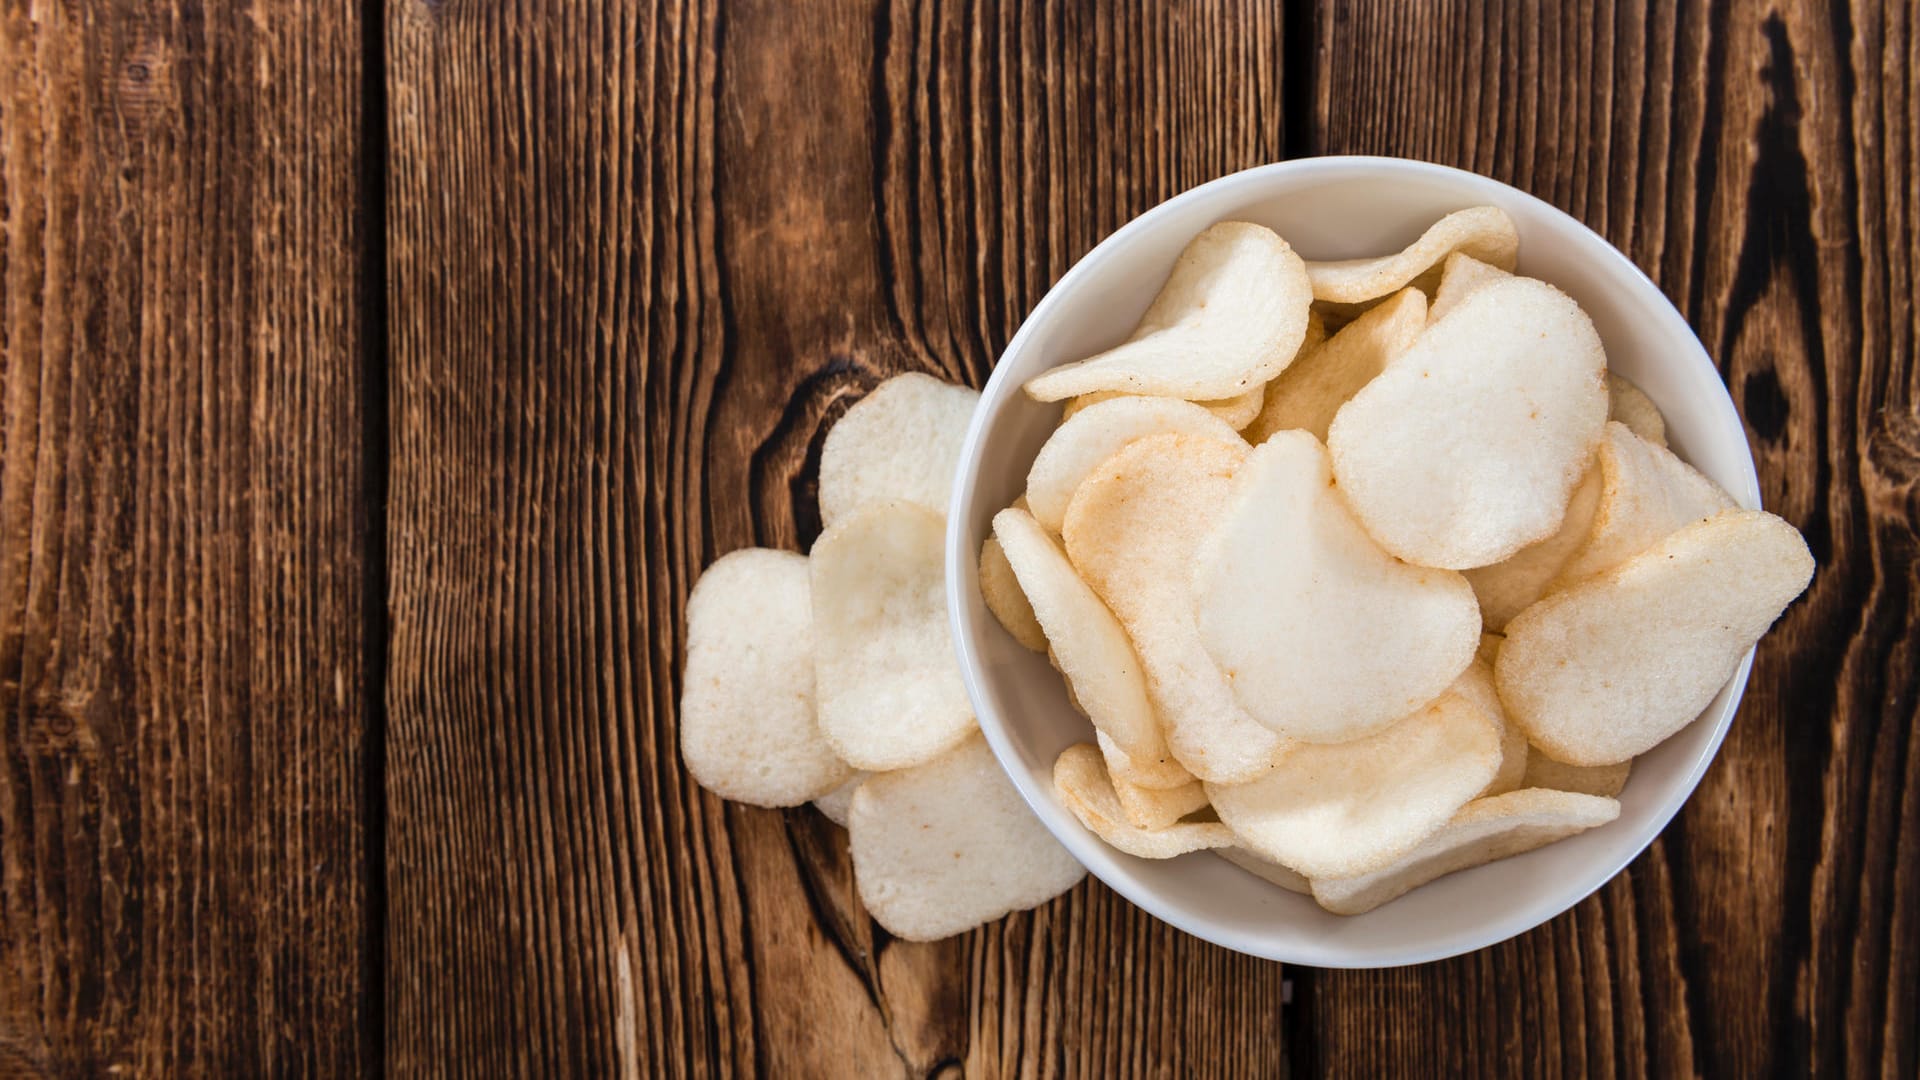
{"points": [[1160, 782], [1609, 668], [902, 441], [1312, 389], [1476, 684], [838, 802], [1631, 406], [1484, 831], [1322, 636], [1511, 585], [1351, 808], [1468, 447], [1489, 648], [747, 727], [1230, 317], [1080, 779], [1645, 493], [1001, 590], [945, 846], [1148, 807], [1095, 434], [1461, 275], [1235, 412], [888, 680], [1484, 232], [1544, 772], [1131, 531], [1088, 644], [1268, 871], [1238, 412]]}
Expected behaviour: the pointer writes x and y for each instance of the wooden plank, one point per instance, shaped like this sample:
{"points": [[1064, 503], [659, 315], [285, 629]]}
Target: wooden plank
{"points": [[641, 256], [181, 540], [1761, 166]]}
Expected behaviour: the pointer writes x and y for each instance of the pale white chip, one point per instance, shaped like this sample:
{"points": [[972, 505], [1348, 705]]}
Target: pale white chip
{"points": [[1460, 275], [1089, 646], [1468, 447], [1631, 406], [1235, 412], [1131, 530], [1268, 871], [1609, 668], [946, 846], [1230, 317], [1149, 807], [1312, 389], [747, 727], [1238, 412], [1484, 232], [1001, 590], [1080, 779], [1098, 432], [1509, 586], [1322, 636], [1351, 808], [1484, 831], [902, 441], [1646, 493], [1544, 772], [838, 802], [1476, 683], [1159, 778], [889, 683]]}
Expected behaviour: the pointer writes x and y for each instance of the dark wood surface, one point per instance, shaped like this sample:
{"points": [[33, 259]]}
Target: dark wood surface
{"points": [[184, 561], [378, 378], [1760, 166]]}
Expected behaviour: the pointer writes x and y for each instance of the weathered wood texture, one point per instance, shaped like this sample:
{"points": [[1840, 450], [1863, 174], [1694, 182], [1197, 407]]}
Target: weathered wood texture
{"points": [[1761, 166], [640, 255], [637, 257], [181, 540]]}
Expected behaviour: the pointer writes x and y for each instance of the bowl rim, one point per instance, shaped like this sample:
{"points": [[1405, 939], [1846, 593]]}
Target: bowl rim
{"points": [[1095, 855]]}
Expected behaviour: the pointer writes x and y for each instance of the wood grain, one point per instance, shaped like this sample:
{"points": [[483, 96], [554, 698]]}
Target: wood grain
{"points": [[1759, 163], [586, 286], [641, 256], [181, 540]]}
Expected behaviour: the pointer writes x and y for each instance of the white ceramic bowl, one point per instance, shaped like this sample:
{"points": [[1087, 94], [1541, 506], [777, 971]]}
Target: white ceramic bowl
{"points": [[1328, 208]]}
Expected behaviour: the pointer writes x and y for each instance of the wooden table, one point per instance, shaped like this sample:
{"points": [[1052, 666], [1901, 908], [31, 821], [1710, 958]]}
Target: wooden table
{"points": [[379, 377]]}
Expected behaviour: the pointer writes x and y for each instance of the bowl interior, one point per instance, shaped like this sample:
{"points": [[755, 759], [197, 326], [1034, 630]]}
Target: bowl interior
{"points": [[1327, 208]]}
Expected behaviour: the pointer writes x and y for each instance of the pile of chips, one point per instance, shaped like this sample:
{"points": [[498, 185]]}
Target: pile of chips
{"points": [[1363, 572], [833, 678], [1360, 588]]}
